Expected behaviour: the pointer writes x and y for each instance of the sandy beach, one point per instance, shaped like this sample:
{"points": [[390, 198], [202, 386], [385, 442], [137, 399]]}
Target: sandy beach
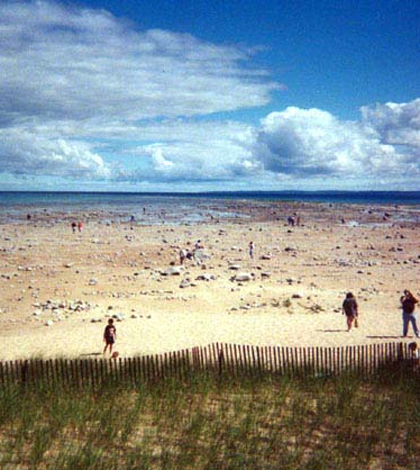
{"points": [[58, 288]]}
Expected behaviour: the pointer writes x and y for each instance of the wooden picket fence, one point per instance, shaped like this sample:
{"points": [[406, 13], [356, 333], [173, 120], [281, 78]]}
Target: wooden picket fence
{"points": [[217, 359]]}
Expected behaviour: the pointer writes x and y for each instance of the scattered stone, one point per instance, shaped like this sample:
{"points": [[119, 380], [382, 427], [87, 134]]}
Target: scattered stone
{"points": [[49, 323], [206, 277], [242, 277], [172, 271], [118, 316], [185, 283], [265, 274], [265, 257], [234, 267]]}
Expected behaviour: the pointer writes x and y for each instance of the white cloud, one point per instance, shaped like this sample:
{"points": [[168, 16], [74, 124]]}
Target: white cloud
{"points": [[190, 151], [304, 143], [62, 63], [26, 153], [395, 123], [80, 89]]}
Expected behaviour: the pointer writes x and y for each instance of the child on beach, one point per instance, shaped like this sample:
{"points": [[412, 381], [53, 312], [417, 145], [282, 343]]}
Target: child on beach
{"points": [[110, 335], [350, 309], [408, 305]]}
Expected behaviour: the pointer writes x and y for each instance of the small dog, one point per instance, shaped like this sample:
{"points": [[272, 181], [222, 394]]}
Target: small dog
{"points": [[115, 354]]}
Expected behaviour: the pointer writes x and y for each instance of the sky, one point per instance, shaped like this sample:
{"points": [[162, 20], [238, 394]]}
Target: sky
{"points": [[202, 96]]}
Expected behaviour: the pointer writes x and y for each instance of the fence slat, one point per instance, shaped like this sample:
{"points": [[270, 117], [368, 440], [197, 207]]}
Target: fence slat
{"points": [[233, 359]]}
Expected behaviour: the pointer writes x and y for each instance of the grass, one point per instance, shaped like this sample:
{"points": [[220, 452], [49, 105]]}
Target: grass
{"points": [[266, 422]]}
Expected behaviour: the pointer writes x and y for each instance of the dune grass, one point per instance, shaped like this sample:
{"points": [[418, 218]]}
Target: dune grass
{"points": [[266, 422]]}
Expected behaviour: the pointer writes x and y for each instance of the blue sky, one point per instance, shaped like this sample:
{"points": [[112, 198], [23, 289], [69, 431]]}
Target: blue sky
{"points": [[194, 95]]}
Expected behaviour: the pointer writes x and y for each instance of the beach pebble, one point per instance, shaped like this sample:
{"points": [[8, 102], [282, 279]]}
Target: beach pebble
{"points": [[118, 316], [185, 283], [93, 282], [265, 257], [206, 277], [265, 274], [172, 271], [49, 323], [241, 277], [234, 267]]}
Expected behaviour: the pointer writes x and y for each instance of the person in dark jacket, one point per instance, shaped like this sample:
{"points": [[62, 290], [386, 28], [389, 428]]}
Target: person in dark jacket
{"points": [[350, 309], [110, 335], [408, 305]]}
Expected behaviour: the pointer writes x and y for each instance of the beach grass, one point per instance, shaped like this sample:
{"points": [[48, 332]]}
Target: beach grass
{"points": [[207, 422]]}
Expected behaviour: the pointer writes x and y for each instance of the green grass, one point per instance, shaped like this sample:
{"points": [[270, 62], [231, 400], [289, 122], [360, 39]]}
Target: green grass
{"points": [[208, 423]]}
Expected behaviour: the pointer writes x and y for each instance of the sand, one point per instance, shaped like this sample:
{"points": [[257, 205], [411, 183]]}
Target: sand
{"points": [[58, 288]]}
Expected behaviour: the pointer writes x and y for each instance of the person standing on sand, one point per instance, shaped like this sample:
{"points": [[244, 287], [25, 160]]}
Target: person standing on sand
{"points": [[251, 249], [182, 255], [110, 335], [350, 309], [80, 226], [73, 227], [408, 305]]}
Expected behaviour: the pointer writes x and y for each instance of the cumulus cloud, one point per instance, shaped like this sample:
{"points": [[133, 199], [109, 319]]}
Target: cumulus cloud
{"points": [[190, 151], [310, 142], [24, 153], [395, 123]]}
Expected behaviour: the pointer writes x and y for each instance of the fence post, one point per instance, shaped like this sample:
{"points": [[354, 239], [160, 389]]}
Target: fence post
{"points": [[221, 360]]}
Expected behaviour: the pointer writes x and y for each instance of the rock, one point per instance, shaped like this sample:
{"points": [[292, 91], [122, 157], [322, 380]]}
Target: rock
{"points": [[49, 323], [297, 295], [172, 271], [265, 257], [185, 283], [234, 267], [241, 277], [134, 315], [118, 316], [93, 282], [290, 249], [206, 277], [265, 274]]}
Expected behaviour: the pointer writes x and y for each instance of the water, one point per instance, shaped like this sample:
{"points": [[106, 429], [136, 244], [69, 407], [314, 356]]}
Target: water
{"points": [[13, 198], [179, 207]]}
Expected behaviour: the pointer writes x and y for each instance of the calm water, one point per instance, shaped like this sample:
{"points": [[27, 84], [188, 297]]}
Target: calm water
{"points": [[48, 199], [182, 207]]}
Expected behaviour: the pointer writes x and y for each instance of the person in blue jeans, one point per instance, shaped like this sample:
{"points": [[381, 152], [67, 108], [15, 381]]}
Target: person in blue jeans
{"points": [[408, 305]]}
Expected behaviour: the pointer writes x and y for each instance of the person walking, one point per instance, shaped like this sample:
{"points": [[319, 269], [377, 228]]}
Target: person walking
{"points": [[408, 305], [350, 309]]}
